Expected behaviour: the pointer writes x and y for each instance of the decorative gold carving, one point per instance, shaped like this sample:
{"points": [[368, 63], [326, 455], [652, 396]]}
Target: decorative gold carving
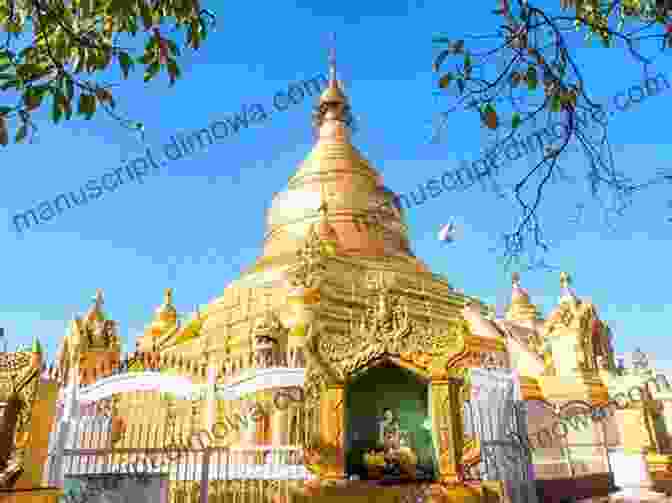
{"points": [[447, 402], [267, 332], [318, 374], [594, 349], [387, 330], [311, 262], [325, 448], [19, 379]]}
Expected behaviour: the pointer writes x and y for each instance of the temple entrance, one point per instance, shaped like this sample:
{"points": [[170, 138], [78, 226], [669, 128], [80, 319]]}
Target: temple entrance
{"points": [[387, 404]]}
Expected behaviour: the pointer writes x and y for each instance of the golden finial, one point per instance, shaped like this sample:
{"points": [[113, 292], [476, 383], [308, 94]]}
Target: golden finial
{"points": [[333, 93], [98, 299], [515, 278], [96, 312], [565, 280], [332, 58], [168, 298]]}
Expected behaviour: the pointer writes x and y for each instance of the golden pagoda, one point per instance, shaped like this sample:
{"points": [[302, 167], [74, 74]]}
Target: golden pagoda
{"points": [[375, 333]]}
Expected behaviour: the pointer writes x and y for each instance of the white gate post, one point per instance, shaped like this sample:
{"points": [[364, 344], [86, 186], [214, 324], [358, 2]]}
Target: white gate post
{"points": [[65, 428]]}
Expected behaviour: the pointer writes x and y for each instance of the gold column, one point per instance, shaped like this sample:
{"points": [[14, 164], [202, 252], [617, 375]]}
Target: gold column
{"points": [[279, 427], [332, 419], [447, 427]]}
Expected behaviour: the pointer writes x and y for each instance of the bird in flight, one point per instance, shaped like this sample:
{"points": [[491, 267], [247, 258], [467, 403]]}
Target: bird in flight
{"points": [[448, 233]]}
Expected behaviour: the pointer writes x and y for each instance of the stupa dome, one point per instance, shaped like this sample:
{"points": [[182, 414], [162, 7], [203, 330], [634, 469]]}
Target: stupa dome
{"points": [[337, 192]]}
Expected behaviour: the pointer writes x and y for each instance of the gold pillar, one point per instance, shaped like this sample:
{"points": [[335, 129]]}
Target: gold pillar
{"points": [[279, 427], [447, 426], [332, 420]]}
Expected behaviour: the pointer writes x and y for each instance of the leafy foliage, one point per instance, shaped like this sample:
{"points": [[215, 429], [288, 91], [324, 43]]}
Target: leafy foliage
{"points": [[53, 50], [535, 75]]}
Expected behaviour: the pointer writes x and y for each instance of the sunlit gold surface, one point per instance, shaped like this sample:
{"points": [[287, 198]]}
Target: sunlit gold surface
{"points": [[337, 174], [347, 295]]}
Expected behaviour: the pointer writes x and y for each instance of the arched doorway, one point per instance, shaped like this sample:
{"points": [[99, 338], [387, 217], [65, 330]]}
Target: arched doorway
{"points": [[367, 395]]}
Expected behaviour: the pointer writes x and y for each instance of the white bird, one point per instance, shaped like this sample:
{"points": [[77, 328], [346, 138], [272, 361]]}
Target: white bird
{"points": [[448, 233]]}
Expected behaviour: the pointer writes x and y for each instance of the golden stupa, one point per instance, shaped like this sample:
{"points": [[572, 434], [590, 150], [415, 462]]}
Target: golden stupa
{"points": [[338, 298]]}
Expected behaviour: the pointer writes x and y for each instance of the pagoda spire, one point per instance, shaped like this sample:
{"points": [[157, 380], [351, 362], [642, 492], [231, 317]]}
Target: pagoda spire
{"points": [[567, 293], [521, 308], [95, 313], [332, 117], [332, 62]]}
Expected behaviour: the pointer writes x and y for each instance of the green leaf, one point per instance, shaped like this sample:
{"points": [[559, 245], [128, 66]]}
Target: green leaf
{"points": [[32, 98], [555, 103], [81, 104], [173, 71], [86, 105], [195, 34], [70, 89], [10, 84], [146, 58], [64, 103], [515, 120], [21, 134], [13, 28], [68, 111], [126, 63], [5, 110], [105, 57], [146, 14], [56, 110], [26, 71], [532, 78], [90, 106], [445, 80], [4, 136], [151, 72], [173, 47]]}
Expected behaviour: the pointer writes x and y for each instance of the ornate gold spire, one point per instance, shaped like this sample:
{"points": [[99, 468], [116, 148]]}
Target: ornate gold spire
{"points": [[567, 294], [96, 311], [357, 196], [333, 93], [332, 116], [166, 313], [325, 231], [520, 309]]}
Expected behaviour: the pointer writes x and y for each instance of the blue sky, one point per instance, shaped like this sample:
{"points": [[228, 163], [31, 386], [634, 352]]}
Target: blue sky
{"points": [[199, 223]]}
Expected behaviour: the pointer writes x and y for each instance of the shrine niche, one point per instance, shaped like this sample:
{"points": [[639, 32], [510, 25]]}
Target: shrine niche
{"points": [[388, 434], [386, 341]]}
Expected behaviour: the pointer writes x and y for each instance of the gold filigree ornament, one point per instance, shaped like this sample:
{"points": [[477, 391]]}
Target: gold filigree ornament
{"points": [[321, 457], [384, 330], [387, 330], [311, 256]]}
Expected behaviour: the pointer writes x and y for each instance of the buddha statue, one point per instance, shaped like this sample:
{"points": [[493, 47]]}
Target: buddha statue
{"points": [[388, 428], [394, 458]]}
